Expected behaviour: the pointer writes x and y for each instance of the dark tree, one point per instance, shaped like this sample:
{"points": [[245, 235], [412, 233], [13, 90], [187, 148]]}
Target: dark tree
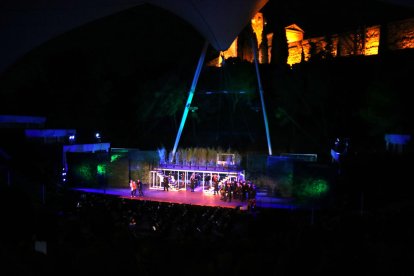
{"points": [[383, 43], [263, 48], [279, 51], [244, 44]]}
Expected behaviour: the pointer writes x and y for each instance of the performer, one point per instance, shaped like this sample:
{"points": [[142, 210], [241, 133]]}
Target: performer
{"points": [[192, 182], [251, 203], [166, 183], [133, 186], [140, 186], [215, 184], [216, 188]]}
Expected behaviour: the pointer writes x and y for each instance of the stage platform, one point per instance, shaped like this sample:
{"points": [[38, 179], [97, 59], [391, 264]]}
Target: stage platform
{"points": [[198, 197]]}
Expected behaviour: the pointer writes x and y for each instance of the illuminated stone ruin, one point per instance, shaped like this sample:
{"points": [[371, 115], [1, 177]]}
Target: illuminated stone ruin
{"points": [[362, 41]]}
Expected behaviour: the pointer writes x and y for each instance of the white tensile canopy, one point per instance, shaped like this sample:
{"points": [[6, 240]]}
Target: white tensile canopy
{"points": [[26, 24]]}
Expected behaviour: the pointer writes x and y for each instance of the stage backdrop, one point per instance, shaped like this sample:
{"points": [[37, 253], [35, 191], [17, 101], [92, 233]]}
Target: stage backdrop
{"points": [[110, 169]]}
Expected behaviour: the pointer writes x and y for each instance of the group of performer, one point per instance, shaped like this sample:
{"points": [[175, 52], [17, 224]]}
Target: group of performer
{"points": [[238, 190], [228, 190], [136, 185], [168, 181]]}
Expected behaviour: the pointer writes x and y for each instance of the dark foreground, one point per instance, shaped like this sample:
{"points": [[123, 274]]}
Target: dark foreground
{"points": [[93, 233]]}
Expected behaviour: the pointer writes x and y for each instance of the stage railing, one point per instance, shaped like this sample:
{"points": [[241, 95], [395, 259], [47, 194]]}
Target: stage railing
{"points": [[218, 168]]}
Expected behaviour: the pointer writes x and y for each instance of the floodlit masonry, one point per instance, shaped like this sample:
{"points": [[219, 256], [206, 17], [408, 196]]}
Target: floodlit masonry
{"points": [[362, 41]]}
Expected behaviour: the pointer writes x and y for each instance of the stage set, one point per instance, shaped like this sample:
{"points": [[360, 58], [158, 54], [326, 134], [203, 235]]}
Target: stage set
{"points": [[182, 179]]}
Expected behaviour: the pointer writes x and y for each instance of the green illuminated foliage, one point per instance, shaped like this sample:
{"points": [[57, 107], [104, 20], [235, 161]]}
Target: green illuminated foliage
{"points": [[115, 157], [101, 169], [85, 171], [312, 188]]}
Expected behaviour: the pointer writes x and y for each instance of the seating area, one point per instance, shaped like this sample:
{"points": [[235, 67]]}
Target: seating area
{"points": [[100, 234]]}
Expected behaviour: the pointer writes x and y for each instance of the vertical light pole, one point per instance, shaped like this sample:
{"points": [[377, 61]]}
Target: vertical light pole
{"points": [[190, 98], [256, 63]]}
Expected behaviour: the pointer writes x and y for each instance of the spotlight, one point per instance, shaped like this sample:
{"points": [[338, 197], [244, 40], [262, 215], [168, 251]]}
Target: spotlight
{"points": [[98, 136], [63, 174], [71, 138]]}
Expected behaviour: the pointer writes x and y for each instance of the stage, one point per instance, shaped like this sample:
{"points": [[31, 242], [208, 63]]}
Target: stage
{"points": [[198, 197]]}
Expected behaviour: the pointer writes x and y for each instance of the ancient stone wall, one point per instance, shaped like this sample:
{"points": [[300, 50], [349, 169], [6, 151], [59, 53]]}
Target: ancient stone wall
{"points": [[401, 34]]}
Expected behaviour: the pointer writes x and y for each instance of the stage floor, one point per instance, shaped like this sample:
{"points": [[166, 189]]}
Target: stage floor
{"points": [[198, 197]]}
